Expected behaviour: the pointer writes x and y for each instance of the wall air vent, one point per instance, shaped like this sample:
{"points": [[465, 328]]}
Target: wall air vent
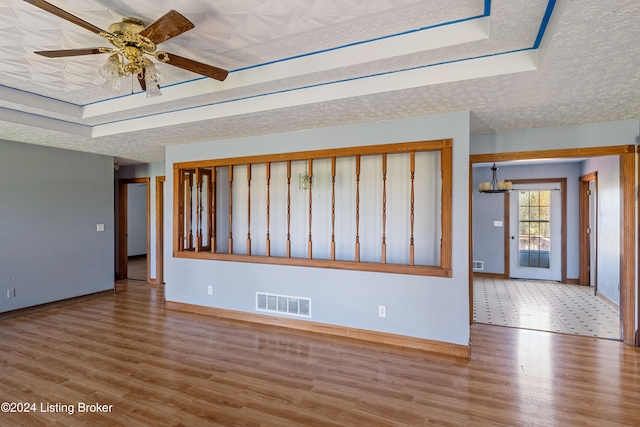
{"points": [[478, 265], [283, 304]]}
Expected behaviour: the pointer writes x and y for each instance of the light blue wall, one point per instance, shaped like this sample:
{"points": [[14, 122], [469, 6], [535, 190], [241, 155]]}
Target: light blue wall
{"points": [[50, 203], [488, 241], [622, 132], [423, 307], [608, 226]]}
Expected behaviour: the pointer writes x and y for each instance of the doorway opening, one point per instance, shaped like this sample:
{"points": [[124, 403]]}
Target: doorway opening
{"points": [[623, 229], [133, 229], [537, 292], [589, 231]]}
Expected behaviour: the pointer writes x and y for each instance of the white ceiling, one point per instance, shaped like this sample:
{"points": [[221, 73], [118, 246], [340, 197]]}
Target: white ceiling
{"points": [[299, 64]]}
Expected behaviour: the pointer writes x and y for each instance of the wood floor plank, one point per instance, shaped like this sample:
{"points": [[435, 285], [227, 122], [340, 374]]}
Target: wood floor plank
{"points": [[166, 368]]}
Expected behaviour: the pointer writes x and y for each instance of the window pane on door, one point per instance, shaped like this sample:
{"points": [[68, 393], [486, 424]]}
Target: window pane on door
{"points": [[535, 237]]}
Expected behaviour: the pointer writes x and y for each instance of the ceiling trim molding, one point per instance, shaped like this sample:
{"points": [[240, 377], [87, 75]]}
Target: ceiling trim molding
{"points": [[29, 99], [545, 21], [435, 37], [512, 62], [43, 122]]}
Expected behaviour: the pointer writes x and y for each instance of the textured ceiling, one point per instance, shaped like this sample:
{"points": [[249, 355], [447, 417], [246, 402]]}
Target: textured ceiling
{"points": [[299, 64]]}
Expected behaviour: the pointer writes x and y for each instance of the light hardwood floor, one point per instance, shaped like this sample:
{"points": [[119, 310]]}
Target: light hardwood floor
{"points": [[137, 268], [165, 368]]}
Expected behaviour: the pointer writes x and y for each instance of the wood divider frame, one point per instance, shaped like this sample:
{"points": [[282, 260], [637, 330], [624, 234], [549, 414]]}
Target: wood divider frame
{"points": [[444, 147]]}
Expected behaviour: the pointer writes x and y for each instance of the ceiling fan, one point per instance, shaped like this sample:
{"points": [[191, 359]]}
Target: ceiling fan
{"points": [[133, 43]]}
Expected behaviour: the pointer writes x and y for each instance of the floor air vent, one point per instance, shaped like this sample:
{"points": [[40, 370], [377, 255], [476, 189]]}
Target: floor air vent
{"points": [[283, 304], [478, 265]]}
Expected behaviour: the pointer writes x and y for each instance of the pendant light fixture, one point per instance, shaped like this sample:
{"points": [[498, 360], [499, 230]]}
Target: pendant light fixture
{"points": [[494, 186]]}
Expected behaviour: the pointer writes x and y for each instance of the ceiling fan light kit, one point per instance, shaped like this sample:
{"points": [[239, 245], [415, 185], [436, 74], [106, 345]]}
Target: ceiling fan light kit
{"points": [[111, 72], [133, 43], [152, 78]]}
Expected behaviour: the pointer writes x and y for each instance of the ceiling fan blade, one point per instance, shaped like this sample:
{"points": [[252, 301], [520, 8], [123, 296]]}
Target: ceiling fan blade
{"points": [[197, 67], [141, 80], [167, 26], [73, 52], [65, 15]]}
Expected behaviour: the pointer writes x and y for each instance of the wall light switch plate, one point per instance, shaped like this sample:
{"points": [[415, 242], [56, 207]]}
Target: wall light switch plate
{"points": [[497, 223], [100, 227]]}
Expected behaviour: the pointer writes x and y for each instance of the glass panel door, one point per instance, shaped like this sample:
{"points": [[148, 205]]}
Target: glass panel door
{"points": [[534, 228], [536, 232]]}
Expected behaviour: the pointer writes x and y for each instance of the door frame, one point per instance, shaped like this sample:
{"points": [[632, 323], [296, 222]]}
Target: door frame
{"points": [[563, 225], [585, 235], [160, 180], [122, 225], [628, 223]]}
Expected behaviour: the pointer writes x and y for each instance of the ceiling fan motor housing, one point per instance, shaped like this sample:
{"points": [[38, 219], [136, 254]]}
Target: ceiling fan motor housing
{"points": [[125, 35], [127, 25]]}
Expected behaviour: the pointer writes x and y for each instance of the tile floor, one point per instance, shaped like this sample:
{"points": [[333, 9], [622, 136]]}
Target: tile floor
{"points": [[544, 305]]}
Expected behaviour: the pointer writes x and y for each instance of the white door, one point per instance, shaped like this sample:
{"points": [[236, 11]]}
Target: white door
{"points": [[536, 221]]}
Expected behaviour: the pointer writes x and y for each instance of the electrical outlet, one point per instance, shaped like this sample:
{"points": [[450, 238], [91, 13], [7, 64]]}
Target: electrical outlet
{"points": [[210, 290], [11, 293], [382, 310]]}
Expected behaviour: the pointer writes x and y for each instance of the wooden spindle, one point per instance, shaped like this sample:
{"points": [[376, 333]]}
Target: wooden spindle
{"points": [[248, 208], [333, 209], [206, 209], [230, 209], [190, 213], [384, 209], [358, 208], [268, 244], [182, 197], [309, 244], [413, 170], [199, 210], [288, 249], [212, 202]]}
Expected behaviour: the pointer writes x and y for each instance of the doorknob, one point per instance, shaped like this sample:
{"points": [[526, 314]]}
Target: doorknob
{"points": [[513, 237]]}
